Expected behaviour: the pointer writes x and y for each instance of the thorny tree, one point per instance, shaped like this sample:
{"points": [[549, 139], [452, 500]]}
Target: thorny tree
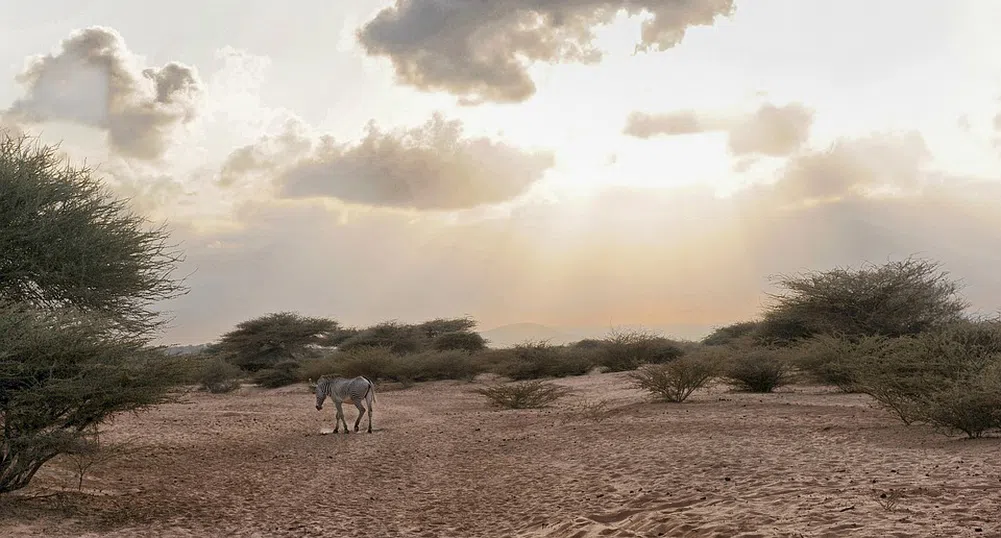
{"points": [[79, 277]]}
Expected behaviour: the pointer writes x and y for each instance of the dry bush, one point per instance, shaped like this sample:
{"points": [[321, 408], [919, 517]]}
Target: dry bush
{"points": [[591, 410], [311, 369], [534, 360], [971, 406], [835, 359], [950, 377], [729, 334], [218, 376], [438, 365], [908, 297], [524, 394], [93, 451], [460, 341], [758, 369], [677, 380], [375, 363], [620, 351], [887, 500]]}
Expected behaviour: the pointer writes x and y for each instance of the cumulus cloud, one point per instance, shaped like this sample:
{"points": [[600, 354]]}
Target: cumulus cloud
{"points": [[94, 80], [681, 122], [481, 50], [429, 167], [625, 255], [770, 130], [268, 155], [878, 162]]}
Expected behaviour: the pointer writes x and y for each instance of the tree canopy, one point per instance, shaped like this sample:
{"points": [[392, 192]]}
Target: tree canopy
{"points": [[895, 299], [79, 278], [66, 241], [267, 340]]}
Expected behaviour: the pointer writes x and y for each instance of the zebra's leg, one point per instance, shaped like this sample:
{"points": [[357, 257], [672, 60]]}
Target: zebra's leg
{"points": [[361, 413], [369, 401], [339, 418]]}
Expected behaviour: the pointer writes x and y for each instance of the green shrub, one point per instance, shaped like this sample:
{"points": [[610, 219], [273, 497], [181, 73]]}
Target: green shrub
{"points": [[758, 369], [524, 394], [460, 340], [730, 334], [282, 374], [677, 380], [396, 337], [218, 376]]}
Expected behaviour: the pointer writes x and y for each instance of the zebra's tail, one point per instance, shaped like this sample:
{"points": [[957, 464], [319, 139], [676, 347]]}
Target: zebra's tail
{"points": [[371, 388]]}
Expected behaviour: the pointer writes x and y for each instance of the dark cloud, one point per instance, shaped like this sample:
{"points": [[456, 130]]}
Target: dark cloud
{"points": [[771, 130], [429, 167], [94, 80], [480, 50]]}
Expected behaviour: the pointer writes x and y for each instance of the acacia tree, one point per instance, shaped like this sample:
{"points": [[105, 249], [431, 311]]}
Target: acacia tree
{"points": [[79, 276], [895, 299], [267, 340]]}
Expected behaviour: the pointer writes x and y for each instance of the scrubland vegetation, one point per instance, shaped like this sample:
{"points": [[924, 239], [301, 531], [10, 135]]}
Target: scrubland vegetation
{"points": [[75, 334], [897, 332]]}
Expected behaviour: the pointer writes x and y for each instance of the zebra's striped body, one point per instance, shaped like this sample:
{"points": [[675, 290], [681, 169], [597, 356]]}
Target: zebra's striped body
{"points": [[342, 390]]}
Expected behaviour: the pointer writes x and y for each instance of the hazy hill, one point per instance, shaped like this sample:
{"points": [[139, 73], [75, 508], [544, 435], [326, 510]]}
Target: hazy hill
{"points": [[515, 333]]}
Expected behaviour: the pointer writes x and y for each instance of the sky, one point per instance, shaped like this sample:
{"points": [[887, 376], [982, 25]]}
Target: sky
{"points": [[570, 162]]}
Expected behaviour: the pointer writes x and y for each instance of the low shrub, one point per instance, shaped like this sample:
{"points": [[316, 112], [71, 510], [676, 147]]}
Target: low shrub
{"points": [[971, 406], [731, 334], [524, 394], [459, 340], [626, 350], [281, 374], [677, 380], [375, 363], [218, 376], [313, 369], [396, 337], [438, 365], [835, 359], [758, 369], [534, 360]]}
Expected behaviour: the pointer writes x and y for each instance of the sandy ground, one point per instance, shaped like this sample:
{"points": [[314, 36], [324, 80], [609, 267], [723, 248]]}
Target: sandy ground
{"points": [[803, 462]]}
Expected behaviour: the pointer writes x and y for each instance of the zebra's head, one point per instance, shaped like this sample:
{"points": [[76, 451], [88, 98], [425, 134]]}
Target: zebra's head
{"points": [[321, 392]]}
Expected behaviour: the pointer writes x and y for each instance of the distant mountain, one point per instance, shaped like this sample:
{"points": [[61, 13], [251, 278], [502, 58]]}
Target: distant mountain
{"points": [[516, 333]]}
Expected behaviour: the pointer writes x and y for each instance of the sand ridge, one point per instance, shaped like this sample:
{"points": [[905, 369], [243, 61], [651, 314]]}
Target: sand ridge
{"points": [[803, 462]]}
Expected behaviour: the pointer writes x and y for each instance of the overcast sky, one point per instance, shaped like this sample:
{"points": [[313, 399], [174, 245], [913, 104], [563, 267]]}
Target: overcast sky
{"points": [[590, 162]]}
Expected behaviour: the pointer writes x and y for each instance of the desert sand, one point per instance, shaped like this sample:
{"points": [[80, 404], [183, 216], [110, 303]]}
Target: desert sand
{"points": [[806, 461]]}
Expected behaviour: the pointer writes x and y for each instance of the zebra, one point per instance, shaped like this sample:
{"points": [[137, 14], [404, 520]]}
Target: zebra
{"points": [[343, 390]]}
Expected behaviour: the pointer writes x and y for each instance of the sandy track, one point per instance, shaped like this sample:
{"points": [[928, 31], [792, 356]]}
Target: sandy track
{"points": [[803, 463]]}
